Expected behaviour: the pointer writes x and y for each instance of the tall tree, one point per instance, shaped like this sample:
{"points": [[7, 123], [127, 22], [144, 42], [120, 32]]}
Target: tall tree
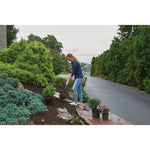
{"points": [[60, 63], [125, 31], [11, 34]]}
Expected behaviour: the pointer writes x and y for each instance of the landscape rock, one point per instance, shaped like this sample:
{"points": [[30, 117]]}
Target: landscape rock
{"points": [[21, 86], [68, 100], [63, 113], [57, 95], [81, 107]]}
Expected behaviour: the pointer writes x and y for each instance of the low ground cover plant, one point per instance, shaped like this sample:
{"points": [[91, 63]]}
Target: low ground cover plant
{"points": [[16, 106]]}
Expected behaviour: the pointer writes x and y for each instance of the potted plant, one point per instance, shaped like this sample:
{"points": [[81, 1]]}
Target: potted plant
{"points": [[93, 105], [49, 93], [104, 109]]}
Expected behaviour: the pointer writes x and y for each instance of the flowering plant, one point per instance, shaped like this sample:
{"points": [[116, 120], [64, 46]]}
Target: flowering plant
{"points": [[103, 108]]}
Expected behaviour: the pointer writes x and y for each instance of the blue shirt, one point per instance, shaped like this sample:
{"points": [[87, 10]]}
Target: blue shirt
{"points": [[76, 70]]}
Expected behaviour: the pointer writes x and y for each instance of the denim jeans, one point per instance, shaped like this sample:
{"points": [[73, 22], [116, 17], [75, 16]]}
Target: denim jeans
{"points": [[78, 85]]}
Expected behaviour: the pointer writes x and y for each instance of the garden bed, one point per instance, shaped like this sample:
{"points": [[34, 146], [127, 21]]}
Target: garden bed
{"points": [[49, 117]]}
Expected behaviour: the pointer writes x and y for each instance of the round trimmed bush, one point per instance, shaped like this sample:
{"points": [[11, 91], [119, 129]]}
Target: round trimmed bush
{"points": [[49, 91], [93, 102]]}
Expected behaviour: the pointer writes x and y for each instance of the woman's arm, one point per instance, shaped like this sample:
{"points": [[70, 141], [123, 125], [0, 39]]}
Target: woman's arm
{"points": [[74, 66]]}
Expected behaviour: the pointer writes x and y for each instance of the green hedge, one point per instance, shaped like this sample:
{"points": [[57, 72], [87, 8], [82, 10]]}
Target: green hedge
{"points": [[127, 60]]}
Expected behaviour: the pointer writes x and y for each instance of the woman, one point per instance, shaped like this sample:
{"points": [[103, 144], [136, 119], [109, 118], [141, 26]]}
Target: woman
{"points": [[77, 72]]}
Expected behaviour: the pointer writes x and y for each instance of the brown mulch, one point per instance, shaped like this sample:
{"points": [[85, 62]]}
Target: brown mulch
{"points": [[49, 117]]}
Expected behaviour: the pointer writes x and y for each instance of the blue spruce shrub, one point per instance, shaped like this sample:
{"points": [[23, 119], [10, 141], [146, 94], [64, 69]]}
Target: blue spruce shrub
{"points": [[1, 81], [3, 117], [22, 120], [13, 82], [23, 112], [34, 95], [36, 107], [25, 97], [4, 76], [2, 92], [7, 87], [3, 100], [11, 110], [1, 108], [13, 97], [12, 121], [3, 123]]}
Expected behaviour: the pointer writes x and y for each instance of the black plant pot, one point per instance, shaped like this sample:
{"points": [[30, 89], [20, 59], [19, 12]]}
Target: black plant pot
{"points": [[49, 100], [95, 113], [105, 116]]}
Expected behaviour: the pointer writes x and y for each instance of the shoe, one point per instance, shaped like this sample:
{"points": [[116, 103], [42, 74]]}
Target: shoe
{"points": [[73, 103], [80, 103]]}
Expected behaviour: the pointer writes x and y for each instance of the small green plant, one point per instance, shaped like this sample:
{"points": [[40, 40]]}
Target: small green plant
{"points": [[49, 91], [75, 120], [93, 102]]}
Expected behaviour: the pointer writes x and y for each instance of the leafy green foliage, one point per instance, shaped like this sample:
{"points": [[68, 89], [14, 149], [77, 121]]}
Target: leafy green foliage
{"points": [[30, 63], [92, 67], [127, 60], [93, 102], [85, 96], [11, 34], [75, 120], [125, 31], [49, 42], [60, 63], [49, 91]]}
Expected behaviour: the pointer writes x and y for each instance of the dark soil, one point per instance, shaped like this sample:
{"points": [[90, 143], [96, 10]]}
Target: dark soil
{"points": [[49, 117]]}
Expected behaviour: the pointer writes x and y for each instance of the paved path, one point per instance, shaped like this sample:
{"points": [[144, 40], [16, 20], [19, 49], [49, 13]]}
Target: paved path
{"points": [[128, 103]]}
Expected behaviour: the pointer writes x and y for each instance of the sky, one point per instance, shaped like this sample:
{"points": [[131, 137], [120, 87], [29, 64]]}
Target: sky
{"points": [[83, 41]]}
